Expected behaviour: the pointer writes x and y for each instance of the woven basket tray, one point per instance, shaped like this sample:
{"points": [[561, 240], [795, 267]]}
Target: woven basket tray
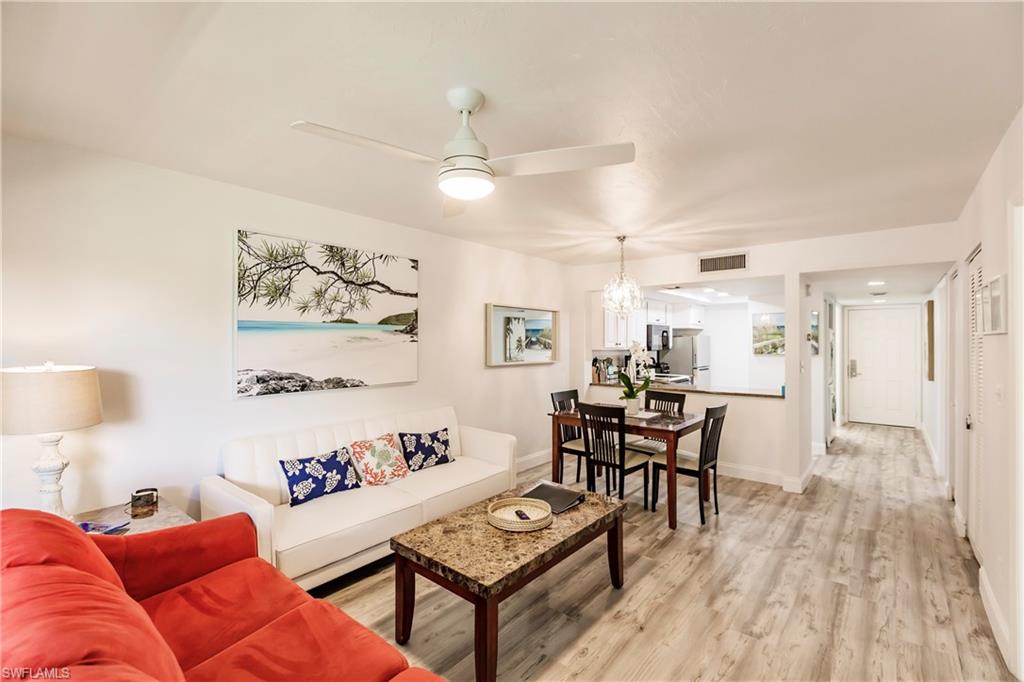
{"points": [[502, 514]]}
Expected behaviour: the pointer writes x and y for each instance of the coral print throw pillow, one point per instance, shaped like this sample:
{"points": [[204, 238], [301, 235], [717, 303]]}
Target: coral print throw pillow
{"points": [[424, 450], [313, 477], [379, 460]]}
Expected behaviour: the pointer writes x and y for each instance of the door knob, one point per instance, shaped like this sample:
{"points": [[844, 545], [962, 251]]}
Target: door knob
{"points": [[852, 371]]}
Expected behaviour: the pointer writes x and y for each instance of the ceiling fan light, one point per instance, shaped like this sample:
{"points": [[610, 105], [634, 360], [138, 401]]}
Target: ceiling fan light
{"points": [[465, 184]]}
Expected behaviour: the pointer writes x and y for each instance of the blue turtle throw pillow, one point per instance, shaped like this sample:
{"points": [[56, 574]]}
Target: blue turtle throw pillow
{"points": [[422, 450], [313, 477]]}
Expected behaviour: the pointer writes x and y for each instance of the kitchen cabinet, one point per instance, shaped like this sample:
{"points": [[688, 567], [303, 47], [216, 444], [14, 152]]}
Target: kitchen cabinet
{"points": [[687, 316], [611, 332], [658, 312]]}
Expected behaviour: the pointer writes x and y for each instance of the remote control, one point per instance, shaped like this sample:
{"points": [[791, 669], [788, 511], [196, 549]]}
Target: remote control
{"points": [[522, 515]]}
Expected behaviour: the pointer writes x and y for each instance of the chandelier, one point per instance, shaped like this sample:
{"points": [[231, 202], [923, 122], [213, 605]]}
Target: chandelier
{"points": [[622, 296]]}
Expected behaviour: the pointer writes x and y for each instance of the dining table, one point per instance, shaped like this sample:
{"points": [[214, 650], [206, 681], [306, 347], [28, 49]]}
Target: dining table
{"points": [[664, 426]]}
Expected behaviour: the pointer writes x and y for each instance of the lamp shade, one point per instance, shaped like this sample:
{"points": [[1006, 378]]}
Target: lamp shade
{"points": [[50, 398]]}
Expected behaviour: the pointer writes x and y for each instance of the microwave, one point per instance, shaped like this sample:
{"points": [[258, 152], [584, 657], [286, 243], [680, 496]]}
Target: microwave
{"points": [[659, 337]]}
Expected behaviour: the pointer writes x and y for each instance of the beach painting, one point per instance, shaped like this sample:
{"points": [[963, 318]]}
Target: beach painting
{"points": [[520, 336], [769, 333], [313, 316]]}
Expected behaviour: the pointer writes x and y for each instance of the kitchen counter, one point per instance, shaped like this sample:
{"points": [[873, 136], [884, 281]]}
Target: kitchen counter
{"points": [[690, 388]]}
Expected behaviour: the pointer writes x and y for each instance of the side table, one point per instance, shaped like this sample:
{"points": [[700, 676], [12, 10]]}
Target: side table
{"points": [[166, 516]]}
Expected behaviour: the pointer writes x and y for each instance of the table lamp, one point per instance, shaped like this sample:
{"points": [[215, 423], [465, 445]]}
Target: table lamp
{"points": [[47, 400]]}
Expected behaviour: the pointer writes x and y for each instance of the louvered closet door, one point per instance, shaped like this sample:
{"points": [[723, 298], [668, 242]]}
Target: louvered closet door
{"points": [[975, 387]]}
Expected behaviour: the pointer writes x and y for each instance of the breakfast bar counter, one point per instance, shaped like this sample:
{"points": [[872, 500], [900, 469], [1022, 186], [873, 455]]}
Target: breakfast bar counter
{"points": [[713, 390]]}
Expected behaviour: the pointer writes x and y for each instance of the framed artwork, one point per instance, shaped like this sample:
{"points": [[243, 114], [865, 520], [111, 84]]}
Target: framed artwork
{"points": [[815, 334], [929, 309], [520, 336], [313, 317], [993, 306], [769, 333]]}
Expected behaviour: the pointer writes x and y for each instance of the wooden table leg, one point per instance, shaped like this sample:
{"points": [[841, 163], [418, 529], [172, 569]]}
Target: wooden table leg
{"points": [[405, 598], [671, 442], [486, 640], [707, 485], [615, 553], [556, 444]]}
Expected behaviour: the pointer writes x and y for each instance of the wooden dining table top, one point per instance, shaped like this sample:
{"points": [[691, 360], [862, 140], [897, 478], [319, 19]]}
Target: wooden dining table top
{"points": [[665, 421]]}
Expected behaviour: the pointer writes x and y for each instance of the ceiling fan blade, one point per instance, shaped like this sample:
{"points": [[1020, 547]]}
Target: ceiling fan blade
{"points": [[565, 159], [452, 207], [360, 141]]}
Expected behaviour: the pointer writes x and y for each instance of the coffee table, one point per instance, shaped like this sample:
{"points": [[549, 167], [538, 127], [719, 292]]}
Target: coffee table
{"points": [[464, 554]]}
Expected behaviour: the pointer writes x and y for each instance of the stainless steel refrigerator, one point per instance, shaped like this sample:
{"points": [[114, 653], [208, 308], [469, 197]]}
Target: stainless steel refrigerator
{"points": [[690, 355]]}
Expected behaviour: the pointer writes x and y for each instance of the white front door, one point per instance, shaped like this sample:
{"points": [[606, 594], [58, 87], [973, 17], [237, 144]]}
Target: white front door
{"points": [[884, 365]]}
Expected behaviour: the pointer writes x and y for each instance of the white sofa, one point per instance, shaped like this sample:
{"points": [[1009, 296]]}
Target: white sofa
{"points": [[330, 536]]}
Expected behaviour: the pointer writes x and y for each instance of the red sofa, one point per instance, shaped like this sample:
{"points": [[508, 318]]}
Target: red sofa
{"points": [[186, 603]]}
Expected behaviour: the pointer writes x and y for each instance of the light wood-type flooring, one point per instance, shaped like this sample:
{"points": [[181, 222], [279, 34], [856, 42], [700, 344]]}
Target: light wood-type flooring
{"points": [[860, 578]]}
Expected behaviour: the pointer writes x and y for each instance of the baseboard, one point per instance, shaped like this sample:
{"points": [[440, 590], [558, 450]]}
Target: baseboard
{"points": [[948, 490], [534, 459], [750, 473], [931, 449], [817, 448], [798, 484], [997, 620], [959, 522]]}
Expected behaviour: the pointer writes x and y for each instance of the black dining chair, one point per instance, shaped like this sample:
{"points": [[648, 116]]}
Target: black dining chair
{"points": [[572, 438], [658, 401], [690, 464], [604, 438]]}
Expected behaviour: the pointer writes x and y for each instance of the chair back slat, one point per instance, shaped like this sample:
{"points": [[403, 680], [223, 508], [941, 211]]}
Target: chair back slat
{"points": [[604, 434], [664, 401], [710, 435], [563, 401]]}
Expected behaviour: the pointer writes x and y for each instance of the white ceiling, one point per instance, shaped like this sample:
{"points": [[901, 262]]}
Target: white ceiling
{"points": [[723, 292], [754, 123], [903, 283]]}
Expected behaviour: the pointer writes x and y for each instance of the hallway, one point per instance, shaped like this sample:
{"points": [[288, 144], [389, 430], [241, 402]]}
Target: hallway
{"points": [[860, 578]]}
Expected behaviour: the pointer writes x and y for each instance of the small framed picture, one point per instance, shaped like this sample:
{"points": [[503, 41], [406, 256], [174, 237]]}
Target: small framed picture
{"points": [[993, 306], [520, 336]]}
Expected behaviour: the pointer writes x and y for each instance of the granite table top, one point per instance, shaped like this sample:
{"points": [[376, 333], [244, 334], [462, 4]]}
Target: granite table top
{"points": [[464, 548]]}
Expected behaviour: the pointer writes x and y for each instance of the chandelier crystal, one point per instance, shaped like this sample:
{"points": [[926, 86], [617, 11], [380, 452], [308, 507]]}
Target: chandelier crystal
{"points": [[622, 295]]}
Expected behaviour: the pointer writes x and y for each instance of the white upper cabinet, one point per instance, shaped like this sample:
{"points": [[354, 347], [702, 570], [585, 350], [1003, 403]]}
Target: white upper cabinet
{"points": [[658, 312], [684, 315], [611, 332]]}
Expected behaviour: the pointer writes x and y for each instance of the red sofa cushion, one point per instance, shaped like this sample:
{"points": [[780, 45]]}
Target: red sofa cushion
{"points": [[416, 675], [57, 616], [314, 642], [150, 563], [212, 612], [32, 538]]}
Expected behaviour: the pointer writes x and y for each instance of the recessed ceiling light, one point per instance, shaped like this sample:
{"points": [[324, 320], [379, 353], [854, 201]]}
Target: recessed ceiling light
{"points": [[879, 300], [708, 290], [722, 293], [876, 283]]}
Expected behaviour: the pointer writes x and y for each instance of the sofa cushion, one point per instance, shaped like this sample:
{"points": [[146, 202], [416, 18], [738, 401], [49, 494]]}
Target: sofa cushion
{"points": [[312, 477], [57, 616], [314, 535], [379, 459], [29, 537], [313, 642], [252, 463], [453, 486], [424, 450], [212, 612]]}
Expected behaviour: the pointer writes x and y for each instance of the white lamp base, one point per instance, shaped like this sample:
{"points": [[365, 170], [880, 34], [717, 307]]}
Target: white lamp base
{"points": [[49, 468]]}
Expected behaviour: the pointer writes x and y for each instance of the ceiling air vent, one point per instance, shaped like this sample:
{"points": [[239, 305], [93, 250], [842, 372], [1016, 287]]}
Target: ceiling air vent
{"points": [[732, 261]]}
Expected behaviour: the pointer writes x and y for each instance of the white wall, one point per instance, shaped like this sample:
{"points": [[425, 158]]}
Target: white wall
{"points": [[129, 267], [987, 219], [934, 394]]}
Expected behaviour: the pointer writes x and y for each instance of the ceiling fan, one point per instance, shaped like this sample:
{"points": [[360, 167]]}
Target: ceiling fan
{"points": [[465, 171]]}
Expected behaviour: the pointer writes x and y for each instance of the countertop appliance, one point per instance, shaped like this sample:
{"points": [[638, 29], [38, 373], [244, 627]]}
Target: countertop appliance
{"points": [[672, 378], [659, 337], [691, 355]]}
